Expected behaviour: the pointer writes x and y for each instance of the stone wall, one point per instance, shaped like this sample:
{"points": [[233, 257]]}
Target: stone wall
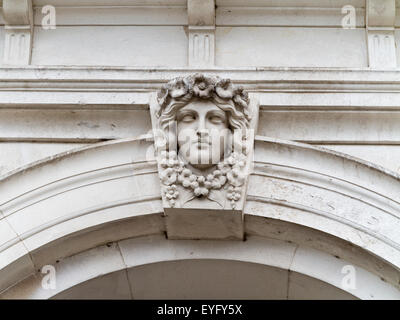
{"points": [[262, 35], [75, 120]]}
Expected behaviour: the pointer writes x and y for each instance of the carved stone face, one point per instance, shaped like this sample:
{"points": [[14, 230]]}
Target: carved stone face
{"points": [[203, 133], [204, 122]]}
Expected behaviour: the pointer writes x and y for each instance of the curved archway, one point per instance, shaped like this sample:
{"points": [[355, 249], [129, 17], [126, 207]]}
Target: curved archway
{"points": [[153, 267], [204, 279], [325, 205]]}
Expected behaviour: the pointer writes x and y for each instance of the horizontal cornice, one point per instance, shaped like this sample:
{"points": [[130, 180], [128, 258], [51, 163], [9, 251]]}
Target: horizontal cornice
{"points": [[45, 78]]}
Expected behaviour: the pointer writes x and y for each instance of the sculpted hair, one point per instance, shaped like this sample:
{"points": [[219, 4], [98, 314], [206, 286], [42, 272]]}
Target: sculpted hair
{"points": [[235, 118], [179, 92]]}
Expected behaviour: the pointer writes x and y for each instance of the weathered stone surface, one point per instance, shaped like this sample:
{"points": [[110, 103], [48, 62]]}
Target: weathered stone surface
{"points": [[318, 213]]}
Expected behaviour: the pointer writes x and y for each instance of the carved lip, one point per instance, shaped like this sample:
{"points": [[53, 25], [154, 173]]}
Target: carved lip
{"points": [[202, 143]]}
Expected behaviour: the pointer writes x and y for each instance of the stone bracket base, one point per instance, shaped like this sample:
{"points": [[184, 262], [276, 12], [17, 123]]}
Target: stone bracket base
{"points": [[194, 224]]}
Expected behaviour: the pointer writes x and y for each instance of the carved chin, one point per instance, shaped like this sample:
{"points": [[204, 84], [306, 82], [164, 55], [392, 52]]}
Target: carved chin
{"points": [[202, 158], [202, 166]]}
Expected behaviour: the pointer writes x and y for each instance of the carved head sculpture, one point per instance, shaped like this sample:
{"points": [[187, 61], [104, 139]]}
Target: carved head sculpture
{"points": [[207, 120]]}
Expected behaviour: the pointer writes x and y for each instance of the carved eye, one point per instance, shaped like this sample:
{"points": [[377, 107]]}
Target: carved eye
{"points": [[188, 118], [217, 119]]}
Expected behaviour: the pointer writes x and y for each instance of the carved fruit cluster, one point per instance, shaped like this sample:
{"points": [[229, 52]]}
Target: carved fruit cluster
{"points": [[173, 171]]}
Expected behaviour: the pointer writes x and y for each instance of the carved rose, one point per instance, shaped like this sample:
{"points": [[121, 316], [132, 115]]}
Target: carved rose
{"points": [[224, 89], [202, 86], [171, 192], [177, 88], [183, 177], [168, 176], [235, 177]]}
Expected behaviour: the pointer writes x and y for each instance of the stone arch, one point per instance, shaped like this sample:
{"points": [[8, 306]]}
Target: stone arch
{"points": [[324, 205]]}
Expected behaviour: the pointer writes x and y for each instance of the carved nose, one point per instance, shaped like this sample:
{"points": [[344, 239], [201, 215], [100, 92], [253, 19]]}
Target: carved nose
{"points": [[201, 125], [201, 133]]}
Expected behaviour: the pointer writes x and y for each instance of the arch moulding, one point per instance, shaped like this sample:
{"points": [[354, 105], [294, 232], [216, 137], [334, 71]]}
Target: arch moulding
{"points": [[106, 198]]}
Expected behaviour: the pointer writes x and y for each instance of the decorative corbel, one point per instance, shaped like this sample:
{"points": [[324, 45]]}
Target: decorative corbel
{"points": [[381, 16], [18, 16], [201, 19], [204, 136]]}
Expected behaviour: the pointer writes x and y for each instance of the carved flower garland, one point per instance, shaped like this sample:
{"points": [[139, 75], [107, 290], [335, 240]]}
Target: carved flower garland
{"points": [[203, 87], [174, 172]]}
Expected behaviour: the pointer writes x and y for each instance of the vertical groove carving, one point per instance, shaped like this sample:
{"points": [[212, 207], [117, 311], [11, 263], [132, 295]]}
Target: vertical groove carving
{"points": [[380, 23], [17, 47], [18, 16], [21, 46], [195, 47], [381, 49], [201, 47], [206, 48]]}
